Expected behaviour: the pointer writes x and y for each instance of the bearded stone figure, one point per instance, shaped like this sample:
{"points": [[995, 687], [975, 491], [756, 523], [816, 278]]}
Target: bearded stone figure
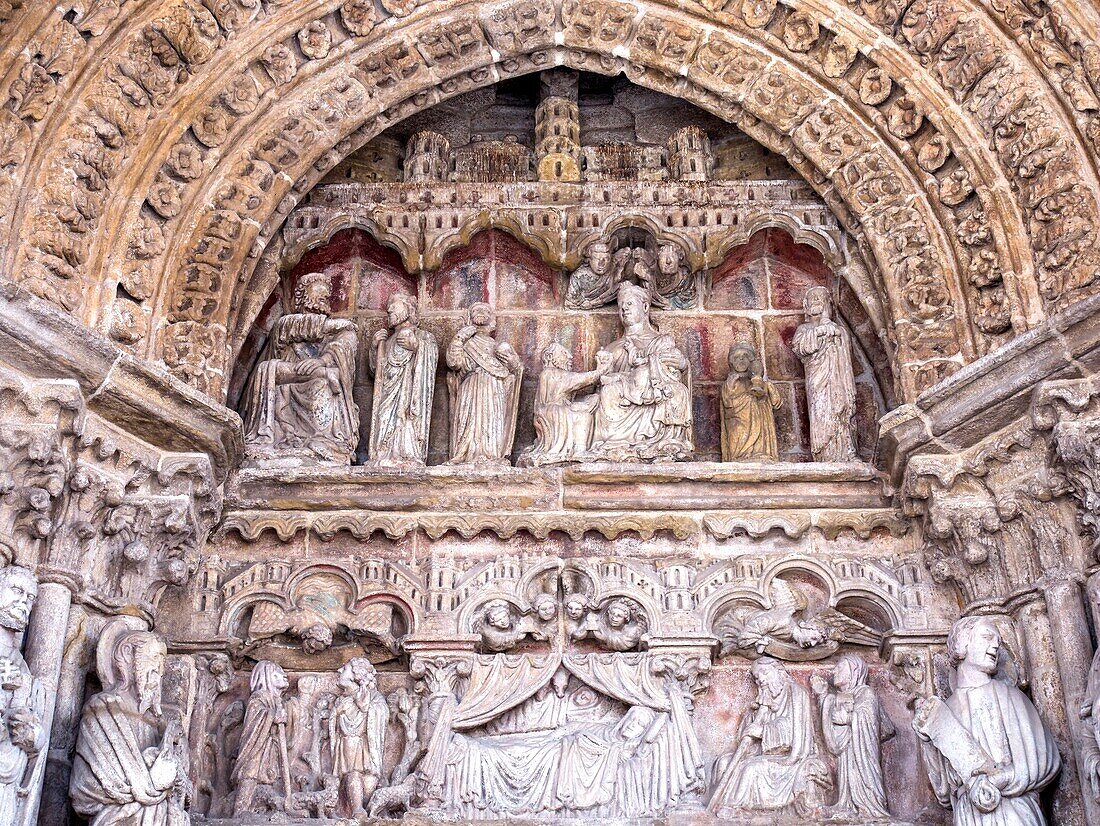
{"points": [[826, 355], [402, 359], [987, 752], [749, 403], [670, 282], [357, 732], [854, 726], [22, 698], [299, 401], [775, 767], [263, 756], [127, 757], [484, 385], [643, 412], [594, 283]]}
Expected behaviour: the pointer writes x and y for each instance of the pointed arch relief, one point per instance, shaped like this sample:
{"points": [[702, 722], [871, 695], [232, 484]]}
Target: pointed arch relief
{"points": [[910, 146]]}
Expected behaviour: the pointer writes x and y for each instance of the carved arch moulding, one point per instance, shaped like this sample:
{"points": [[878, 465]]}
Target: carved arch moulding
{"points": [[929, 146]]}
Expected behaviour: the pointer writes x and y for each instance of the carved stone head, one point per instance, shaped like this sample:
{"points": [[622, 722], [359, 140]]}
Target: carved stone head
{"points": [[743, 360], [401, 308], [555, 355], [976, 642], [313, 294], [817, 303], [851, 672], [546, 607], [599, 257], [618, 613], [481, 315], [498, 613], [131, 663], [576, 606], [633, 305], [669, 259], [357, 674], [269, 677], [18, 588], [769, 674]]}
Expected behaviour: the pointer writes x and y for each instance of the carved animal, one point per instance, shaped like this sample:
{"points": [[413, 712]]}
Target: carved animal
{"points": [[393, 799]]}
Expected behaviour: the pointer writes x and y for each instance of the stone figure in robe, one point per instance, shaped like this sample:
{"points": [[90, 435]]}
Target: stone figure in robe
{"points": [[854, 726], [595, 282], [775, 767], [987, 752], [484, 385], [1090, 709], [261, 760], [749, 403], [826, 354], [299, 401], [563, 424], [402, 359], [643, 409], [357, 732], [22, 698], [128, 759], [621, 626]]}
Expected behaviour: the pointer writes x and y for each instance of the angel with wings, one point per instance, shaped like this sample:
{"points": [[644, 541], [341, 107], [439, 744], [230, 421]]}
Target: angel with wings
{"points": [[782, 628]]}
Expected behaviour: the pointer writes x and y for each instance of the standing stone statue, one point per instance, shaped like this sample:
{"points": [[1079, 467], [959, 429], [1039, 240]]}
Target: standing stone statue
{"points": [[775, 767], [22, 698], [854, 726], [594, 283], [644, 407], [357, 731], [403, 360], [127, 756], [987, 752], [826, 355], [749, 403], [484, 388], [299, 401], [263, 758], [563, 425]]}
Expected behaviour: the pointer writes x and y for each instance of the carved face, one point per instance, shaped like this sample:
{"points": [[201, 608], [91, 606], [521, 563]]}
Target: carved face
{"points": [[575, 607], [397, 311], [617, 614], [740, 360], [314, 295], [481, 315], [633, 310], [557, 356], [546, 609], [499, 616], [599, 259], [816, 302], [983, 648], [17, 592], [844, 676], [767, 676], [668, 259]]}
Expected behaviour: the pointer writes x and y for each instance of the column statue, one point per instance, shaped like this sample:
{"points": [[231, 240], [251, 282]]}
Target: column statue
{"points": [[357, 732], [127, 755], [594, 283], [299, 402], [775, 766], [987, 752], [22, 698], [854, 726], [263, 758], [484, 385], [749, 403], [402, 359], [643, 412], [826, 354]]}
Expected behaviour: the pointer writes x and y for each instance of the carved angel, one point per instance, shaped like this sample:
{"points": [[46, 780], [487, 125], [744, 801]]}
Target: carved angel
{"points": [[622, 625], [316, 625], [782, 629], [502, 626]]}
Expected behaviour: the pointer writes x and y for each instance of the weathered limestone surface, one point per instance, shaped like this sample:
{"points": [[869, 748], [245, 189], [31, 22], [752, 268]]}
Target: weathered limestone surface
{"points": [[452, 411]]}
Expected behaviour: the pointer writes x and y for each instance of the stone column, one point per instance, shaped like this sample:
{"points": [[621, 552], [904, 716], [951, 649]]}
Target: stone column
{"points": [[1048, 692], [47, 633]]}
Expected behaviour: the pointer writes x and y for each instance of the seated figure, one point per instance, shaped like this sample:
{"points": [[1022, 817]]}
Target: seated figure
{"points": [[775, 767], [563, 426]]}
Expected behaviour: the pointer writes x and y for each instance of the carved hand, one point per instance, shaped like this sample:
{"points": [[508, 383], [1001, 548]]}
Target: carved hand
{"points": [[163, 771], [407, 339], [379, 336]]}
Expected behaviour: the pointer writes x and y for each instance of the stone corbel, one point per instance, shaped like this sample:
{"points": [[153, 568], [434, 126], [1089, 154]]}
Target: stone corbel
{"points": [[963, 518], [1069, 411], [684, 664]]}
